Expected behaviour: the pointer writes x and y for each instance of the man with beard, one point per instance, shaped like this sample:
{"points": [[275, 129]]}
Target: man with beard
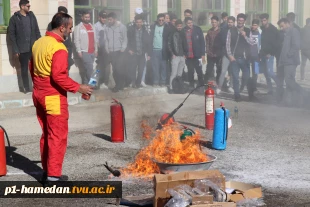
{"points": [[86, 44], [50, 85]]}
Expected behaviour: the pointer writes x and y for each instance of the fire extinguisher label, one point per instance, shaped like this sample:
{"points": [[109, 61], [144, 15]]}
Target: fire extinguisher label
{"points": [[209, 105]]}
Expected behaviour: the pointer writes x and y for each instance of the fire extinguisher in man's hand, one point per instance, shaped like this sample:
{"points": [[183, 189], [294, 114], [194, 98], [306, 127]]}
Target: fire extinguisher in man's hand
{"points": [[209, 107]]}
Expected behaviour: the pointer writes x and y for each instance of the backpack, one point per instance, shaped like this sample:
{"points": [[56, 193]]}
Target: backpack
{"points": [[178, 86]]}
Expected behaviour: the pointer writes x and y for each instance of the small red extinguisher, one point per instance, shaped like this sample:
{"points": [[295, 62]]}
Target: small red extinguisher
{"points": [[209, 107], [118, 123], [3, 169]]}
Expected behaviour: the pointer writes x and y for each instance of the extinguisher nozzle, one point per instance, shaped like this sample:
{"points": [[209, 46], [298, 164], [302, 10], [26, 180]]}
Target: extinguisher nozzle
{"points": [[115, 173]]}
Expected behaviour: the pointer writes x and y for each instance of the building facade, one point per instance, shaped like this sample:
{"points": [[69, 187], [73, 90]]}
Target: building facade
{"points": [[203, 10]]}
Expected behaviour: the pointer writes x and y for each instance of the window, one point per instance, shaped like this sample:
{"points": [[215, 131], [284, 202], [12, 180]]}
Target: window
{"points": [[150, 8], [299, 4], [174, 6], [254, 8], [120, 7], [283, 8], [4, 13], [203, 10]]}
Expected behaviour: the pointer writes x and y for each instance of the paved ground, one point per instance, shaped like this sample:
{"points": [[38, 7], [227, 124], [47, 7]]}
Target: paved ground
{"points": [[268, 145]]}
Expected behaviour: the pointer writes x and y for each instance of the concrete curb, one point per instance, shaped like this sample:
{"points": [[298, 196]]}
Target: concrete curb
{"points": [[100, 95]]}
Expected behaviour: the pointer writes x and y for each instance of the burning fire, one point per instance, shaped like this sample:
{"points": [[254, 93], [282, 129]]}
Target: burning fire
{"points": [[165, 146]]}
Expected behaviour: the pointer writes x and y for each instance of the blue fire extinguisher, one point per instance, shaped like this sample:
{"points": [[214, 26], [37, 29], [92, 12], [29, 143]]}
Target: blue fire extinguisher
{"points": [[220, 132]]}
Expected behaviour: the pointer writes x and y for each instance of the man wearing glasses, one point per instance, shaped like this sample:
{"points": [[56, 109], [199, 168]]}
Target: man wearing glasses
{"points": [[23, 32]]}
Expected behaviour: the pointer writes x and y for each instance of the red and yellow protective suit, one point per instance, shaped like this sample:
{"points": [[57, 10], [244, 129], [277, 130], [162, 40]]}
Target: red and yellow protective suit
{"points": [[50, 85]]}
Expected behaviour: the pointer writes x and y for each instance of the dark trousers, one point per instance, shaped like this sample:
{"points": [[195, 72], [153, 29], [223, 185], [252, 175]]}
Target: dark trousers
{"points": [[192, 65], [240, 63], [287, 73], [305, 55], [159, 65], [103, 66], [88, 62], [254, 75], [212, 61], [24, 59], [117, 59], [136, 61]]}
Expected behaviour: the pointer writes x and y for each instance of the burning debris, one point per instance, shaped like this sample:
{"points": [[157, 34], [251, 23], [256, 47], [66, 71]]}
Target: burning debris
{"points": [[165, 146]]}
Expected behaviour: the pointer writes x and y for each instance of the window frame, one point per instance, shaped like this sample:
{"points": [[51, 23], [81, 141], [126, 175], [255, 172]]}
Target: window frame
{"points": [[154, 9], [205, 28], [125, 9], [6, 16], [268, 9], [177, 10], [285, 11], [299, 12]]}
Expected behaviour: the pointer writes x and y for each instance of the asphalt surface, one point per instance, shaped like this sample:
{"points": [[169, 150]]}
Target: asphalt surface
{"points": [[268, 145]]}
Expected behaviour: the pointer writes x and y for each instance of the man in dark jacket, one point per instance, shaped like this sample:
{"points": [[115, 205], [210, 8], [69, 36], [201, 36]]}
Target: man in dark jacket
{"points": [[268, 49], [305, 47], [213, 50], [159, 39], [138, 46], [196, 51], [23, 32], [291, 17], [289, 59], [238, 51], [178, 48], [68, 41]]}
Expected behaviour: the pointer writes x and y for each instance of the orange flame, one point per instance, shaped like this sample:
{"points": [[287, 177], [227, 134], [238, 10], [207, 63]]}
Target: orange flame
{"points": [[166, 147]]}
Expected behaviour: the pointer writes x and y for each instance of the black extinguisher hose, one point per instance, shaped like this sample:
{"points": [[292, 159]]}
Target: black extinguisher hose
{"points": [[225, 125], [9, 145], [124, 121]]}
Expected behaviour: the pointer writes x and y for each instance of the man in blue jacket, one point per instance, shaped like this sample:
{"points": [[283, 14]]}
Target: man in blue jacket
{"points": [[196, 51]]}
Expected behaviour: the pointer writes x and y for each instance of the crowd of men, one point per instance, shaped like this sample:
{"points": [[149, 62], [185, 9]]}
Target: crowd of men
{"points": [[160, 51]]}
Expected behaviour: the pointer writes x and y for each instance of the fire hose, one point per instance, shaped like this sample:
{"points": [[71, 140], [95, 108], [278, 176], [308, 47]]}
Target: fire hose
{"points": [[9, 145], [163, 122]]}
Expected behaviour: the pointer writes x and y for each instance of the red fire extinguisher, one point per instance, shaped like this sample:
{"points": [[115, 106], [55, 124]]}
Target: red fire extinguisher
{"points": [[118, 123], [209, 107], [3, 169]]}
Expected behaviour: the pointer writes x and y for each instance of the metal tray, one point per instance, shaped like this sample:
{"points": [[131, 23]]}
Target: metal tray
{"points": [[168, 168]]}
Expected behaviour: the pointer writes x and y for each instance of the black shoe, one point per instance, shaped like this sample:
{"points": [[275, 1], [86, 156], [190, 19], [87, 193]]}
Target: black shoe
{"points": [[51, 180], [44, 177]]}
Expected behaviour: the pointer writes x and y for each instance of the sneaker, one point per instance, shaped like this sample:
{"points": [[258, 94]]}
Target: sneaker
{"points": [[143, 84], [28, 93], [218, 91], [230, 90], [103, 86]]}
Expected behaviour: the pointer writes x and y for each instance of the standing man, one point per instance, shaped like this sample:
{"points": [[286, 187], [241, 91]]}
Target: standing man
{"points": [[51, 83], [116, 44], [213, 50], [86, 45], [291, 17], [268, 49], [139, 45], [102, 64], [68, 41], [305, 47], [23, 32], [224, 24], [237, 51], [146, 24], [159, 35], [225, 60], [178, 48], [196, 51], [188, 13], [289, 60]]}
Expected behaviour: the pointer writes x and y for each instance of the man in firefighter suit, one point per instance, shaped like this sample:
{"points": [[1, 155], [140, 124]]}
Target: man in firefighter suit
{"points": [[51, 82]]}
